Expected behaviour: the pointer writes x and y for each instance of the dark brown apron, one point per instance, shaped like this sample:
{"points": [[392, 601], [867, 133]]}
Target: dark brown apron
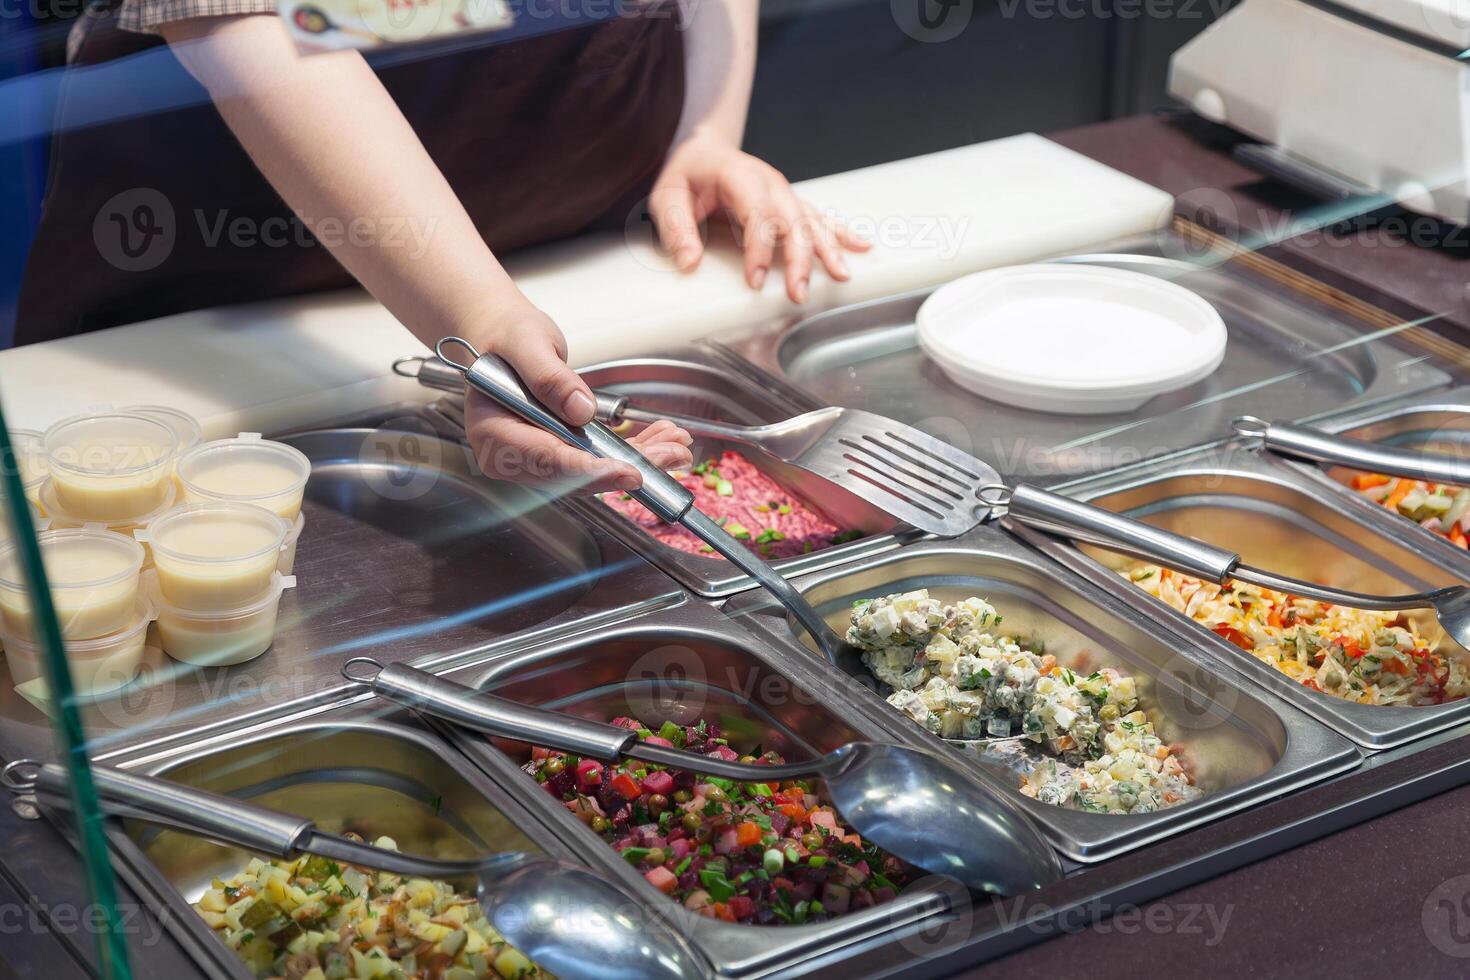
{"points": [[541, 135]]}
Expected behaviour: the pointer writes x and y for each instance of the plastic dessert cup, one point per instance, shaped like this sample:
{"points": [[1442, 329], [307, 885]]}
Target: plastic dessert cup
{"points": [[246, 470], [93, 576], [287, 564], [98, 665], [215, 556], [110, 468], [186, 428], [218, 639]]}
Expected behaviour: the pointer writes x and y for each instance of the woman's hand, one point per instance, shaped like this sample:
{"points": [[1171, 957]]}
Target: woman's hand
{"points": [[506, 448], [707, 174]]}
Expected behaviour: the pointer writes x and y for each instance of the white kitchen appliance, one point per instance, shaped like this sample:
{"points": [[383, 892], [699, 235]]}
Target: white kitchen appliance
{"points": [[1350, 98]]}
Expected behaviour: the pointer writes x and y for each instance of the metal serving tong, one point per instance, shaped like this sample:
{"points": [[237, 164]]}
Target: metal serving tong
{"points": [[907, 801], [563, 917]]}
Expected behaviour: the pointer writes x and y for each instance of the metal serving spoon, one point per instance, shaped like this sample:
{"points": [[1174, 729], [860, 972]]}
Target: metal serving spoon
{"points": [[907, 801], [1065, 517], [563, 917]]}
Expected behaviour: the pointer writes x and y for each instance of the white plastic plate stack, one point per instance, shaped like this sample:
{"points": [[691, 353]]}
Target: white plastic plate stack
{"points": [[1073, 339]]}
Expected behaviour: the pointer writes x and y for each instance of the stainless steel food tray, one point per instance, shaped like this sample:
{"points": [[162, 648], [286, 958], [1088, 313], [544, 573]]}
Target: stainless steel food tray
{"points": [[1277, 518], [408, 555], [381, 773], [704, 386], [1247, 746], [1438, 422], [684, 664], [1288, 357]]}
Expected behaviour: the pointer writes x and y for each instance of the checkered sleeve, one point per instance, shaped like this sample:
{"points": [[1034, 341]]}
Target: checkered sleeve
{"points": [[146, 16]]}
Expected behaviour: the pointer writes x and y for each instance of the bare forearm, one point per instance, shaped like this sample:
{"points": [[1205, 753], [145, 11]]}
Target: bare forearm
{"points": [[331, 141], [719, 57]]}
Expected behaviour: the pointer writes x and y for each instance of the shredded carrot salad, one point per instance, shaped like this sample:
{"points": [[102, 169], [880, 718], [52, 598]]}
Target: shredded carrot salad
{"points": [[1354, 654]]}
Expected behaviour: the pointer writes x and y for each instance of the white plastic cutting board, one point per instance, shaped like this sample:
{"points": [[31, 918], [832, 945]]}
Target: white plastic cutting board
{"points": [[261, 367]]}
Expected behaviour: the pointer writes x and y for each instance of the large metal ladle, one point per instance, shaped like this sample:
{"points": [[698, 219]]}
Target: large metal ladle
{"points": [[565, 918], [907, 801]]}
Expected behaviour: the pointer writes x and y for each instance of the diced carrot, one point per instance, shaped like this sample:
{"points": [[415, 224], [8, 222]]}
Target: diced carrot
{"points": [[1458, 536], [747, 833], [1367, 481], [1274, 618], [1401, 491], [795, 811], [662, 878], [723, 911]]}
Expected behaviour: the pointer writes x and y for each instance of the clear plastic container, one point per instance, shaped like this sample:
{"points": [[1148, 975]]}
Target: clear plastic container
{"points": [[186, 427], [218, 639], [110, 468], [60, 518], [97, 665], [30, 458], [215, 556], [246, 470], [93, 576], [288, 550]]}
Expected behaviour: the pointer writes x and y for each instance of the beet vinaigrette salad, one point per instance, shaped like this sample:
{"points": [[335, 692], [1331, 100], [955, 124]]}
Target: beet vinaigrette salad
{"points": [[762, 853], [750, 505]]}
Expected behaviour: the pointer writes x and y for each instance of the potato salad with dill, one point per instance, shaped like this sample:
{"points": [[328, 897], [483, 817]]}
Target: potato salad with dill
{"points": [[953, 671], [312, 919], [1355, 654]]}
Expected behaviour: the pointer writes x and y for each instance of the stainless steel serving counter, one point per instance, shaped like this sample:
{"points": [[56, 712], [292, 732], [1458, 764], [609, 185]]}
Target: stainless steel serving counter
{"points": [[410, 556]]}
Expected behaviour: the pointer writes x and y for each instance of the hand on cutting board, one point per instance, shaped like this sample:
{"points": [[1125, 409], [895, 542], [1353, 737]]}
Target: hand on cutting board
{"points": [[507, 448], [707, 175]]}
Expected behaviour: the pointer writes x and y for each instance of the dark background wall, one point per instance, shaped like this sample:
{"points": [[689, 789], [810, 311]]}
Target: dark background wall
{"points": [[840, 84]]}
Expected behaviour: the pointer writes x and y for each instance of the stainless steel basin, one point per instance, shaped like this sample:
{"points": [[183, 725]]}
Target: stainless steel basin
{"points": [[698, 385], [1280, 519], [371, 775], [1244, 746], [683, 666]]}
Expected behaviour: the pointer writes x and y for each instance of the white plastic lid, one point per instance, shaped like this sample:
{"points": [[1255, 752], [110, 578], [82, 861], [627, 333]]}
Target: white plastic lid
{"points": [[144, 613], [279, 584], [113, 444], [77, 558], [192, 533], [186, 427], [1070, 337], [200, 469]]}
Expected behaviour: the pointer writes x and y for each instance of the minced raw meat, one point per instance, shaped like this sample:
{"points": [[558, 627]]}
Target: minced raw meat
{"points": [[751, 506]]}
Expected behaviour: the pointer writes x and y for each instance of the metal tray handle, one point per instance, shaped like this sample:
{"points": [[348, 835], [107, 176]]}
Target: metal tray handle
{"points": [[1055, 514], [490, 714], [224, 819], [1305, 442]]}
